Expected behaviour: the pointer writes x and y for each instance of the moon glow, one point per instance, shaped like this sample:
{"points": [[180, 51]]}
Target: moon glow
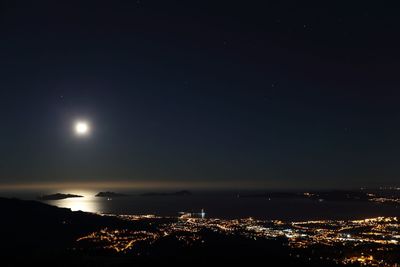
{"points": [[82, 128]]}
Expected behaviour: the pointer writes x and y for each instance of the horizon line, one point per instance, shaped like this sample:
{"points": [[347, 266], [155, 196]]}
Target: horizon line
{"points": [[123, 184]]}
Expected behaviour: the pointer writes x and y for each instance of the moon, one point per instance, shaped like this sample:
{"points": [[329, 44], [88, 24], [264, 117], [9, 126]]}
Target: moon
{"points": [[82, 128]]}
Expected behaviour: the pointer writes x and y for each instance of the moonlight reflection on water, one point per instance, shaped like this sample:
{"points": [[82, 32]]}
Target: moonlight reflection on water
{"points": [[88, 202]]}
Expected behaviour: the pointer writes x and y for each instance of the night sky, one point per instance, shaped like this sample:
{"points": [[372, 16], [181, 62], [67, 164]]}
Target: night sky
{"points": [[279, 94]]}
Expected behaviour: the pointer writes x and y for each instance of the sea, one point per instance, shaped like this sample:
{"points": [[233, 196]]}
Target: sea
{"points": [[216, 204]]}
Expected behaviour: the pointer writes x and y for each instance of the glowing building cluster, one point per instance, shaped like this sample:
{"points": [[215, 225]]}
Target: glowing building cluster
{"points": [[354, 241]]}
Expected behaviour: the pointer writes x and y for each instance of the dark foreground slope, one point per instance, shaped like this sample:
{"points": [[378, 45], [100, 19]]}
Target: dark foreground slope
{"points": [[36, 234], [32, 231], [32, 223]]}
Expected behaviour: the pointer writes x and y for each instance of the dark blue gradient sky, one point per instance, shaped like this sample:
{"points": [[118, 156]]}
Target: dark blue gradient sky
{"points": [[278, 94]]}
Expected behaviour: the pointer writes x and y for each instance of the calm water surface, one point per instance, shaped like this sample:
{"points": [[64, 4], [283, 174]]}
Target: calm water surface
{"points": [[219, 205]]}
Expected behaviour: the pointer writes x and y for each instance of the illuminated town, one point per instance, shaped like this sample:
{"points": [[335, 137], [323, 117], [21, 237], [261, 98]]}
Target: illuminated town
{"points": [[371, 242]]}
